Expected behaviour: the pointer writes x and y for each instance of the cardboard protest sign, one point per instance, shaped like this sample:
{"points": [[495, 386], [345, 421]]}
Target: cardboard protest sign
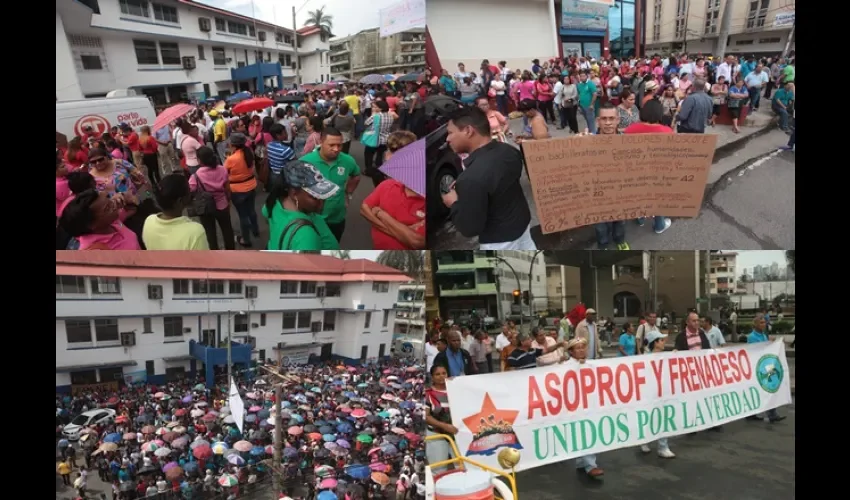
{"points": [[578, 181], [569, 410]]}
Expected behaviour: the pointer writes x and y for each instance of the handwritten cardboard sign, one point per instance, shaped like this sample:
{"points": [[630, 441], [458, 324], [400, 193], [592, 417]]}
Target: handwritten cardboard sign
{"points": [[579, 181]]}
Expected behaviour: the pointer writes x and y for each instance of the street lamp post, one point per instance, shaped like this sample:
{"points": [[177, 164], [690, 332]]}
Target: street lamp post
{"points": [[530, 294], [516, 276]]}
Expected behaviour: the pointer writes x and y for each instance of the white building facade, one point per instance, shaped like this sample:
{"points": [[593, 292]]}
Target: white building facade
{"points": [[174, 50], [123, 322], [410, 312]]}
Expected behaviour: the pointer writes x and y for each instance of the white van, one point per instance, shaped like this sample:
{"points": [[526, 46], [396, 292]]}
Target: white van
{"points": [[102, 114]]}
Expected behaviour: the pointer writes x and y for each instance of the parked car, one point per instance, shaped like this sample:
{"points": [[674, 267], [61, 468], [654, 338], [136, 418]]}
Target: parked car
{"points": [[443, 166], [85, 419]]}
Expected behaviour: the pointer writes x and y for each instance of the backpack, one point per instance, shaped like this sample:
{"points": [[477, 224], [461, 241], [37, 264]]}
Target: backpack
{"points": [[295, 224], [202, 202], [211, 132]]}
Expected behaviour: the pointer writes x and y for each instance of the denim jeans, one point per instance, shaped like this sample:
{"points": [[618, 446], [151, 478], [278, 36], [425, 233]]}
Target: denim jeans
{"points": [[244, 203], [590, 117], [755, 98], [793, 139], [587, 462], [783, 116], [608, 231], [657, 223], [502, 104]]}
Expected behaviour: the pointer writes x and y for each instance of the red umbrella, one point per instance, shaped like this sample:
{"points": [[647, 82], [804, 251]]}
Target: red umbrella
{"points": [[168, 115], [202, 452], [255, 104]]}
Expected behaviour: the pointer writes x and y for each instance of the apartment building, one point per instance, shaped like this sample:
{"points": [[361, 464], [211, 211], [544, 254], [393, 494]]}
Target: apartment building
{"points": [[173, 50], [757, 27], [410, 311], [160, 315], [722, 272], [366, 52]]}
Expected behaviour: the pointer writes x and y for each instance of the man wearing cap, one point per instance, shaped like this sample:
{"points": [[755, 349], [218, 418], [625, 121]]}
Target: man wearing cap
{"points": [[759, 334], [578, 350], [219, 128], [339, 168], [586, 329]]}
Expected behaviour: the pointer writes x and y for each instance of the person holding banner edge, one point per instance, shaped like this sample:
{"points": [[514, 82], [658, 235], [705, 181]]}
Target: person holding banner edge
{"points": [[759, 334], [655, 344], [578, 348]]}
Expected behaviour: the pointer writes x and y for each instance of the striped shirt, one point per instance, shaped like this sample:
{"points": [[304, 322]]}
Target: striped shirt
{"points": [[279, 154], [520, 360], [694, 340]]}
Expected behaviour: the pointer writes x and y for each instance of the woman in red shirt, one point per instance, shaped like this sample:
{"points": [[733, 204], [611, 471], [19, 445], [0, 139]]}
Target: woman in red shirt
{"points": [[545, 98], [149, 148], [75, 155], [397, 213]]}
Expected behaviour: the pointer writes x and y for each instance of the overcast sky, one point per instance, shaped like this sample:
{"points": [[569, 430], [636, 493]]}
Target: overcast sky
{"points": [[749, 259], [349, 16]]}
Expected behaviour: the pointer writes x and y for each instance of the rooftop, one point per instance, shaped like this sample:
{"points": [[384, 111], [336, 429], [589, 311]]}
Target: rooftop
{"points": [[262, 265]]}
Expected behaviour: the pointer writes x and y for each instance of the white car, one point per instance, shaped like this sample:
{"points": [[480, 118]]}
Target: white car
{"points": [[85, 419]]}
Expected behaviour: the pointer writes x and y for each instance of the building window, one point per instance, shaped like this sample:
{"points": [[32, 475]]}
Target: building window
{"points": [[235, 287], [134, 7], [106, 330], [220, 24], [170, 52], [201, 56], [146, 52], [78, 331], [303, 319], [278, 37], [262, 319], [288, 287], [105, 286], [66, 285], [308, 288], [204, 287], [172, 326], [368, 320], [380, 286], [329, 321], [149, 368], [289, 320], [180, 287], [386, 320], [219, 57], [91, 62], [147, 325], [165, 13], [757, 13], [240, 323], [333, 290], [237, 28]]}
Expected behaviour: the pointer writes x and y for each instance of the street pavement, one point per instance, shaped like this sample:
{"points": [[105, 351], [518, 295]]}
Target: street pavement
{"points": [[749, 202], [357, 235]]}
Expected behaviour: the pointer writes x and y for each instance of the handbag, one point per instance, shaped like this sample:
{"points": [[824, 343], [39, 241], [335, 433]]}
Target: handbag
{"points": [[370, 137], [202, 202]]}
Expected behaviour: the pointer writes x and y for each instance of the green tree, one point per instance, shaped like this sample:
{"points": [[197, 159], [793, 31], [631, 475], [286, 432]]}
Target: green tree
{"points": [[791, 259], [410, 262], [321, 20]]}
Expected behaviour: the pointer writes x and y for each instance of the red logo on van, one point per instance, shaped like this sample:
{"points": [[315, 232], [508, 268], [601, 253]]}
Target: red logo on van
{"points": [[99, 124]]}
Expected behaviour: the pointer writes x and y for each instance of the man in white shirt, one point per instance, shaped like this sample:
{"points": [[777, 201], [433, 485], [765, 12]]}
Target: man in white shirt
{"points": [[725, 69], [650, 326], [754, 82], [503, 339], [461, 73], [715, 337], [431, 351], [466, 338]]}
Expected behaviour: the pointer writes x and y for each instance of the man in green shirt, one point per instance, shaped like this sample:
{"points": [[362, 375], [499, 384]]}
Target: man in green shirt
{"points": [[587, 100], [339, 168], [788, 72]]}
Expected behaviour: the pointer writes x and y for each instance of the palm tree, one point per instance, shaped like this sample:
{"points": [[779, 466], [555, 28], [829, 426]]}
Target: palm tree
{"points": [[410, 262], [341, 254], [319, 19]]}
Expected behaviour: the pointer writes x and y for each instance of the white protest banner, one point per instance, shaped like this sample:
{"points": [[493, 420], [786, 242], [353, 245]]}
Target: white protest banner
{"points": [[569, 410], [237, 406], [402, 16]]}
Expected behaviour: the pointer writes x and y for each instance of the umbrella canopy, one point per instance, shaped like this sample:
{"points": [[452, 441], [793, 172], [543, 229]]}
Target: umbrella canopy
{"points": [[174, 473], [326, 494], [380, 478], [243, 446], [202, 452], [251, 105], [238, 97], [162, 452], [359, 471], [372, 79], [167, 116], [410, 77], [219, 447], [112, 438], [235, 459], [228, 480]]}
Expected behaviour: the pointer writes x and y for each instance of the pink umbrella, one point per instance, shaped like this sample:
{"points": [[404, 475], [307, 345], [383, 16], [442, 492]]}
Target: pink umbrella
{"points": [[358, 413], [328, 484], [398, 430], [387, 372], [242, 446], [374, 450], [255, 409], [295, 431], [209, 417], [378, 466], [171, 114], [270, 450]]}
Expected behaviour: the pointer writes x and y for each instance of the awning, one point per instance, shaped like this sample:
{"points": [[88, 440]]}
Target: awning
{"points": [[181, 84], [296, 346], [185, 357], [93, 366]]}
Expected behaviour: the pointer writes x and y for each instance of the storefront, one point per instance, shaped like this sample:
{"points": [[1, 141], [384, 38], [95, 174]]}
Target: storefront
{"points": [[595, 28]]}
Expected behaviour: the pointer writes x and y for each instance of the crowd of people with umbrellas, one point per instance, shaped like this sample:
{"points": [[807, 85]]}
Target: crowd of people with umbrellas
{"points": [[349, 433]]}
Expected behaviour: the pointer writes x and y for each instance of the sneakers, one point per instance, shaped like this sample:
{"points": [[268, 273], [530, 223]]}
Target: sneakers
{"points": [[623, 246], [667, 224], [666, 453], [645, 448]]}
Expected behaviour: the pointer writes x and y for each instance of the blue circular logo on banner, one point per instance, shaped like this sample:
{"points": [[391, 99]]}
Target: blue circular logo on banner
{"points": [[770, 372]]}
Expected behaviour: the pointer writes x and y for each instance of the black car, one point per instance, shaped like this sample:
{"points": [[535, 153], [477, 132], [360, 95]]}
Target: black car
{"points": [[443, 166]]}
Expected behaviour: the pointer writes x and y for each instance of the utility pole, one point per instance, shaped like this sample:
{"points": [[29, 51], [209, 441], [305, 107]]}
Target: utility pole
{"points": [[229, 352], [687, 15], [725, 24], [278, 438], [531, 295], [787, 49], [707, 281], [295, 46], [518, 286]]}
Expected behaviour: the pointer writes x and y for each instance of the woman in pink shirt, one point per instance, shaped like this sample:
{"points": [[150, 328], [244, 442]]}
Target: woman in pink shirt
{"points": [[63, 192], [92, 221], [315, 125], [525, 88], [213, 178], [189, 144], [499, 126], [545, 98]]}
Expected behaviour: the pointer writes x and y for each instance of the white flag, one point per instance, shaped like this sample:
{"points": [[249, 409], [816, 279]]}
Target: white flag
{"points": [[237, 407]]}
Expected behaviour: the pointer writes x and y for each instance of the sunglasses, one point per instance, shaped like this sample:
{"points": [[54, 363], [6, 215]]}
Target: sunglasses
{"points": [[98, 160]]}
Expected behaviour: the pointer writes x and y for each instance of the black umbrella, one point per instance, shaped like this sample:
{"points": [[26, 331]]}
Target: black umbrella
{"points": [[410, 77]]}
